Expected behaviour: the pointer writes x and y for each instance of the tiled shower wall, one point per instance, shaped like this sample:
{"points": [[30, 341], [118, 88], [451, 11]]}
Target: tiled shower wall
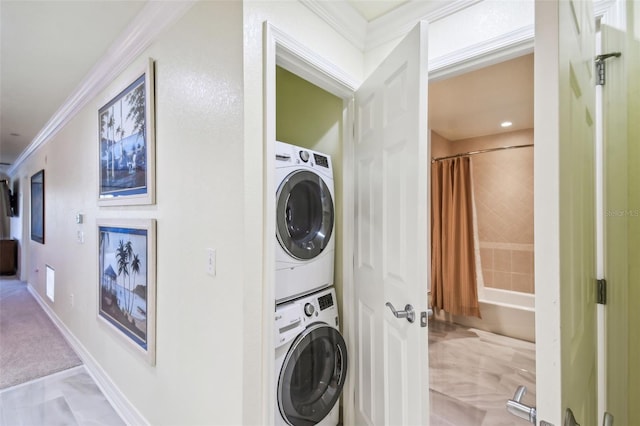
{"points": [[503, 192]]}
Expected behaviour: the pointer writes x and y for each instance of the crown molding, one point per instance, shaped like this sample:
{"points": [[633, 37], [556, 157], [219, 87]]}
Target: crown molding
{"points": [[401, 20], [506, 46], [143, 30], [343, 18]]}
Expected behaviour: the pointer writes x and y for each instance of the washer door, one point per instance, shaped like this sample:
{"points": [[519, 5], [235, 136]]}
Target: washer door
{"points": [[312, 375], [304, 214]]}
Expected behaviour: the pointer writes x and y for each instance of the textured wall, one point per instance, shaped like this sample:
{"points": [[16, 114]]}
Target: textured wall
{"points": [[199, 180]]}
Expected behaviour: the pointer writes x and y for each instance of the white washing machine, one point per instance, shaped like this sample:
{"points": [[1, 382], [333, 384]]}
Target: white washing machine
{"points": [[311, 361], [305, 213]]}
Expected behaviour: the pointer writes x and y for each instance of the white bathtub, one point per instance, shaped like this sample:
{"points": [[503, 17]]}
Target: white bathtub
{"points": [[504, 312]]}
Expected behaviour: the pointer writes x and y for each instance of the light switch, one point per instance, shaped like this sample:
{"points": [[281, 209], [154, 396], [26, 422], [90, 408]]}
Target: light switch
{"points": [[211, 262]]}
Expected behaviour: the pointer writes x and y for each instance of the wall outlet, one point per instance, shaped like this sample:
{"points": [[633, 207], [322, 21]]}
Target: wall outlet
{"points": [[210, 266]]}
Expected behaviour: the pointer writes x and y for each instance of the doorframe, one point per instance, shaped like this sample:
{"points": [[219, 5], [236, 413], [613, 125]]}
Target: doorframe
{"points": [[281, 49]]}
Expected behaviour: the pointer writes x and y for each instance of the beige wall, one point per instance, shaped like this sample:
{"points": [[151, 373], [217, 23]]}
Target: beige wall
{"points": [[199, 125], [440, 147], [503, 192], [464, 29]]}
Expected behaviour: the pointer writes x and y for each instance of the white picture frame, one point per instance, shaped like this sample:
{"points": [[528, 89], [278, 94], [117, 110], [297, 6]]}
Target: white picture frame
{"points": [[127, 281], [126, 142]]}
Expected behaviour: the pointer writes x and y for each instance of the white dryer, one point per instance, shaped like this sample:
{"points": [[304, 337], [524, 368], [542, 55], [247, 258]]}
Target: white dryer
{"points": [[311, 361], [304, 221]]}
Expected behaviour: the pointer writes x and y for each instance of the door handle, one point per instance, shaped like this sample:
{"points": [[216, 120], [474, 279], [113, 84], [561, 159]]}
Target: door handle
{"points": [[408, 312], [518, 409], [569, 419]]}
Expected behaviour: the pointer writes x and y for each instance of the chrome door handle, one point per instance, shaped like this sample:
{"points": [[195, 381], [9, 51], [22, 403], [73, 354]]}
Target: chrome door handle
{"points": [[408, 312], [518, 409]]}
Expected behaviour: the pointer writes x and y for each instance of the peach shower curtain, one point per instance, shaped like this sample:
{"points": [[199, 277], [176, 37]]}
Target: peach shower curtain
{"points": [[453, 265]]}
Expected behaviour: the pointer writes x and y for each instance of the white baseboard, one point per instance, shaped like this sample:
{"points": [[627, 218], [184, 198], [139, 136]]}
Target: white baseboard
{"points": [[130, 415]]}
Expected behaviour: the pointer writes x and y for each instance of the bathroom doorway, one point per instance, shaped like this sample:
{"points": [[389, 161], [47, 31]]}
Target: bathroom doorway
{"points": [[477, 360]]}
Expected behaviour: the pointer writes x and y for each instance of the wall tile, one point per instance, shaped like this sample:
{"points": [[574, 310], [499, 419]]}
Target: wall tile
{"points": [[486, 258], [522, 261], [503, 195], [522, 282], [502, 280], [502, 260], [487, 275]]}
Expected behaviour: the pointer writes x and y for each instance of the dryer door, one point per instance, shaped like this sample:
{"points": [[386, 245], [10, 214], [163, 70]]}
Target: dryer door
{"points": [[304, 214], [312, 375]]}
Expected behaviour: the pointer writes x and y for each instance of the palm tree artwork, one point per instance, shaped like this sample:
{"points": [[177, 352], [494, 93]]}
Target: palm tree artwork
{"points": [[123, 142], [123, 254]]}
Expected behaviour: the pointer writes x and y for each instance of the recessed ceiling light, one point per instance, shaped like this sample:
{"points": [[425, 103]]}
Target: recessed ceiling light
{"points": [[506, 124]]}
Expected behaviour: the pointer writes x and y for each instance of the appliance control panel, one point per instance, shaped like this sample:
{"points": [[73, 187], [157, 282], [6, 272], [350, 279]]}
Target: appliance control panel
{"points": [[325, 301], [293, 317], [295, 155], [321, 160]]}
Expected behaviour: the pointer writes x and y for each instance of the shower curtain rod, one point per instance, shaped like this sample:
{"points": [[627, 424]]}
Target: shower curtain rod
{"points": [[482, 151]]}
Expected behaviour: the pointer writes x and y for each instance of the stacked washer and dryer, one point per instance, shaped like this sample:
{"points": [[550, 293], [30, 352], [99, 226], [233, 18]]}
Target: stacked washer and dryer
{"points": [[311, 354]]}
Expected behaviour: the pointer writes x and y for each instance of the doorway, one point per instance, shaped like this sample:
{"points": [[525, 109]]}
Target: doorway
{"points": [[476, 364]]}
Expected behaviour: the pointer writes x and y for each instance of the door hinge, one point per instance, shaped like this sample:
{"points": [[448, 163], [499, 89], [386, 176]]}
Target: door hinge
{"points": [[601, 291], [600, 67]]}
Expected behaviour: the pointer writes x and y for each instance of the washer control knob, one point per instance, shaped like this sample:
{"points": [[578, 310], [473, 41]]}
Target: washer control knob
{"points": [[304, 156], [309, 309]]}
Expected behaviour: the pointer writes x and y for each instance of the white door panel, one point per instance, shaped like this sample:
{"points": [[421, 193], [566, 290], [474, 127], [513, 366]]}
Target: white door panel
{"points": [[565, 211], [391, 235]]}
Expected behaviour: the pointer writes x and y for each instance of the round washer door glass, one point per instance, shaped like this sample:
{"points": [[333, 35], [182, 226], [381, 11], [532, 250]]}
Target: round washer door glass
{"points": [[304, 214], [312, 375]]}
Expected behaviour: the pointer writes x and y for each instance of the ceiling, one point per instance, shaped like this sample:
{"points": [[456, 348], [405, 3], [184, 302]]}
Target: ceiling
{"points": [[48, 47], [474, 104], [372, 9]]}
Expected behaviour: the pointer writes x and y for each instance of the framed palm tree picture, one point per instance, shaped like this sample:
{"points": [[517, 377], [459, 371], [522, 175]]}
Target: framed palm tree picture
{"points": [[127, 281], [126, 143]]}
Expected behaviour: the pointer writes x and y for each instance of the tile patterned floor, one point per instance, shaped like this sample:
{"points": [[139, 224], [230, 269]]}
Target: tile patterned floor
{"points": [[67, 398], [474, 373]]}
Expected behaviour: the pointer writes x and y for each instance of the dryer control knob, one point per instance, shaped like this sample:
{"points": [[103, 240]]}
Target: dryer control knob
{"points": [[309, 309], [304, 156]]}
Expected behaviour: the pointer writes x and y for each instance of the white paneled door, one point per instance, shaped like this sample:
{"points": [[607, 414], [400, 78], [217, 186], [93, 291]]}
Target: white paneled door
{"points": [[391, 238], [565, 212]]}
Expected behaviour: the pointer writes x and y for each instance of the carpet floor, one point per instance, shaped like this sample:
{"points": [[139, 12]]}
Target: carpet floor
{"points": [[31, 346]]}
